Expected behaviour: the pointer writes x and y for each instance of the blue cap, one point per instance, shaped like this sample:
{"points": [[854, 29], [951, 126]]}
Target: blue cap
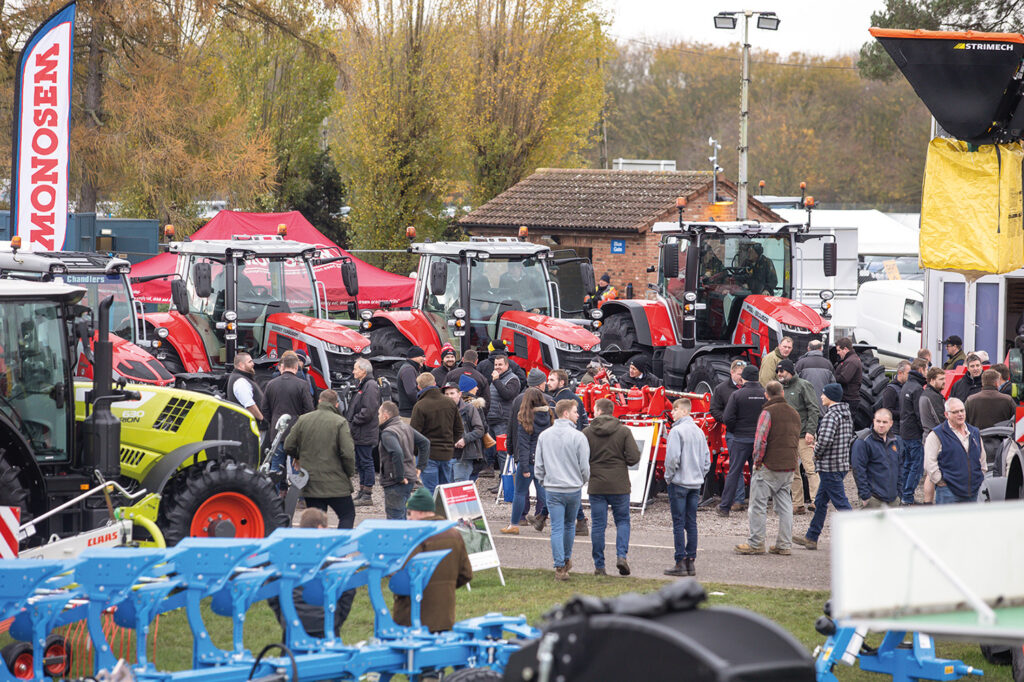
{"points": [[467, 383]]}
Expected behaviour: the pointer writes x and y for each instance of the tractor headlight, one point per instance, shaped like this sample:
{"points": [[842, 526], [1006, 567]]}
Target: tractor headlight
{"points": [[596, 314], [827, 294], [230, 315], [341, 350], [365, 351], [365, 314], [690, 296], [163, 332], [568, 347], [459, 313]]}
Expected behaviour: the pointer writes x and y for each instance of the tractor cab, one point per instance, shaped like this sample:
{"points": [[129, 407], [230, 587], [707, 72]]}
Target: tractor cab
{"points": [[259, 295], [100, 276], [732, 282], [35, 369], [466, 288], [470, 294]]}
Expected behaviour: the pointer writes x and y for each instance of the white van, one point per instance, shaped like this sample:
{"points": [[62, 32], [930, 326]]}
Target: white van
{"points": [[889, 317]]}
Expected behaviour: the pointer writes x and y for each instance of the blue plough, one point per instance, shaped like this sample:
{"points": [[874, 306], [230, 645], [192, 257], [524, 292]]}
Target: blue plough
{"points": [[236, 573]]}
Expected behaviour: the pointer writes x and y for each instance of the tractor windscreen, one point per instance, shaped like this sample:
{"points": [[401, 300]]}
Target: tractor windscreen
{"points": [[98, 287], [33, 374], [970, 81], [731, 268]]}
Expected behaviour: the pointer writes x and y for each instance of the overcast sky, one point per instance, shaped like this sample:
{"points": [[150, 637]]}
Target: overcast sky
{"points": [[823, 27]]}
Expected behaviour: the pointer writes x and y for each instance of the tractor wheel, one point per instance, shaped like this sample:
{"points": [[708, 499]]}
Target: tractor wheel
{"points": [[706, 372], [388, 341], [18, 659], [222, 499], [872, 383], [997, 654], [474, 675], [1018, 663], [618, 334], [12, 492]]}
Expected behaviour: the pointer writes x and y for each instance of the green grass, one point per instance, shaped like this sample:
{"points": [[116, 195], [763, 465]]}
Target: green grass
{"points": [[534, 592]]}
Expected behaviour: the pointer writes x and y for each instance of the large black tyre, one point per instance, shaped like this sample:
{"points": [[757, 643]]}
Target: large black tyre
{"points": [[706, 372], [201, 499], [997, 654], [618, 333], [388, 341], [1017, 664], [12, 492], [872, 383], [473, 675]]}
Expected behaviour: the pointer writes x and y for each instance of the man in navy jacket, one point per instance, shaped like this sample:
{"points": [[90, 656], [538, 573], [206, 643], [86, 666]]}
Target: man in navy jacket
{"points": [[875, 460]]}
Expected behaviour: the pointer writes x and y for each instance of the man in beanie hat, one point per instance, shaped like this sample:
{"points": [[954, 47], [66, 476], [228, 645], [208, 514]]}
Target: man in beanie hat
{"points": [[407, 373], [832, 457], [454, 571], [468, 449], [640, 373], [304, 369], [449, 358], [741, 415], [800, 396], [497, 348], [605, 290]]}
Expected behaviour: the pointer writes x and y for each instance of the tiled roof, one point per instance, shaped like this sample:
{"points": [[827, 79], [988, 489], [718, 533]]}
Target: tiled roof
{"points": [[581, 199]]}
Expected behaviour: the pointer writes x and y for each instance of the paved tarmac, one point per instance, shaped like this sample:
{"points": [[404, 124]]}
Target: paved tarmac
{"points": [[651, 548]]}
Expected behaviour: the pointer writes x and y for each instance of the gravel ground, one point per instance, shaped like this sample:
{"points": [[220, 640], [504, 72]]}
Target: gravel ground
{"points": [[651, 546]]}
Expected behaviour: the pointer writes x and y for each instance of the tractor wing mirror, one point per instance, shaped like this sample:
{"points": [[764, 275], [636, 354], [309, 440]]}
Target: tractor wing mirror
{"points": [[202, 279], [438, 277], [179, 297], [829, 255], [670, 260], [350, 278], [587, 275]]}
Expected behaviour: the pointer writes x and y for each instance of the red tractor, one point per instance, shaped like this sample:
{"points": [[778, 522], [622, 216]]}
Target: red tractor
{"points": [[471, 293], [259, 295], [101, 276], [723, 291]]}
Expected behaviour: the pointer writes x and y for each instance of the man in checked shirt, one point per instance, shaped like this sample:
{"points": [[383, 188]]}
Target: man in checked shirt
{"points": [[775, 460], [832, 459]]}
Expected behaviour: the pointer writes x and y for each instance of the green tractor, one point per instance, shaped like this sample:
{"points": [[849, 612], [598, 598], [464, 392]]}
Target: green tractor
{"points": [[130, 447]]}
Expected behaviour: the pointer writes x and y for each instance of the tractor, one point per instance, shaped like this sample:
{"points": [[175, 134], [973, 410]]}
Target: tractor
{"points": [[100, 276], [471, 293], [723, 292], [67, 458], [259, 295]]}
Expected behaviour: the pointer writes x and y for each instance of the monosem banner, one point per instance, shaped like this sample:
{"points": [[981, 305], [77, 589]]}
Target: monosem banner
{"points": [[42, 128]]}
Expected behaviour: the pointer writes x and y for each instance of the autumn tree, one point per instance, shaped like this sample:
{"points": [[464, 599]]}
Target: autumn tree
{"points": [[813, 119], [398, 127], [535, 87]]}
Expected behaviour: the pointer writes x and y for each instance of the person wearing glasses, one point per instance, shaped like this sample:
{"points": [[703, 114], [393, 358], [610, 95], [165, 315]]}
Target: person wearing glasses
{"points": [[954, 459]]}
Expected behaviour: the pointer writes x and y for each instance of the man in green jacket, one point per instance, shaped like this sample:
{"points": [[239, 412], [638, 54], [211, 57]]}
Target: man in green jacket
{"points": [[322, 441], [800, 396], [613, 451], [770, 362]]}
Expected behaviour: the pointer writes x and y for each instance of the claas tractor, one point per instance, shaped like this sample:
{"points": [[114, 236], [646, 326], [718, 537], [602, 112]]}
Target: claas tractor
{"points": [[723, 291], [259, 295], [181, 461], [101, 276], [471, 293]]}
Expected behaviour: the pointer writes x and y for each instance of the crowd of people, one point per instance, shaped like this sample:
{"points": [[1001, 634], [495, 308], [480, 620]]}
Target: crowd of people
{"points": [[446, 423]]}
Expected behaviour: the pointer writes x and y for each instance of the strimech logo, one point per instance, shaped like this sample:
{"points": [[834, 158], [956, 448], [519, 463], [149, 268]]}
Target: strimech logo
{"points": [[1002, 47]]}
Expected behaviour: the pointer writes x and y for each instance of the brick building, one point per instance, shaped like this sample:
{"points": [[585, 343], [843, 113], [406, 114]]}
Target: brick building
{"points": [[607, 215]]}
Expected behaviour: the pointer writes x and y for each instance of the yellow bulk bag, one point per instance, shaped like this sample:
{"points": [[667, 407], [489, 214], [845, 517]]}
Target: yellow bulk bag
{"points": [[972, 209]]}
